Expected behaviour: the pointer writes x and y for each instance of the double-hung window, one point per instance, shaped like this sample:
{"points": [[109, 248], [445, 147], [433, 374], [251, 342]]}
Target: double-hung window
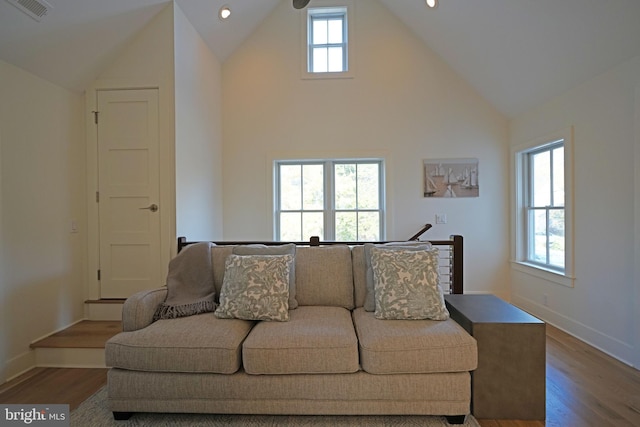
{"points": [[332, 199], [327, 40], [543, 206]]}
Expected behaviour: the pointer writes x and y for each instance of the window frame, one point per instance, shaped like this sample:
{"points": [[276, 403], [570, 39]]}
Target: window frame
{"points": [[327, 14], [522, 193], [330, 7], [329, 209]]}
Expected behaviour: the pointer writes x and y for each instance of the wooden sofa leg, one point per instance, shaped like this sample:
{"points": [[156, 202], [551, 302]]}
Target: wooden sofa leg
{"points": [[456, 419], [122, 416]]}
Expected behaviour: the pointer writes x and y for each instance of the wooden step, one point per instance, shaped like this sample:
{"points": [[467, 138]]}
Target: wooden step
{"points": [[78, 346], [85, 334]]}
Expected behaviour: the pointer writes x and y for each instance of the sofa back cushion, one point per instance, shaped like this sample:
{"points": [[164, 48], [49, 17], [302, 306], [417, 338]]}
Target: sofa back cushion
{"points": [[359, 275], [324, 276], [219, 256]]}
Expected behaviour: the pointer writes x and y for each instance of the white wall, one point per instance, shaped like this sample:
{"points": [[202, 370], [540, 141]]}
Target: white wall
{"points": [[404, 103], [42, 188], [198, 86], [600, 307]]}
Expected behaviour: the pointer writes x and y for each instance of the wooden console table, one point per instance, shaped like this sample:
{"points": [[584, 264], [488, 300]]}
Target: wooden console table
{"points": [[510, 380]]}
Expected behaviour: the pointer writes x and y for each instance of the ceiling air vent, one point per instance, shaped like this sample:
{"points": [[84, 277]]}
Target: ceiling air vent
{"points": [[36, 9]]}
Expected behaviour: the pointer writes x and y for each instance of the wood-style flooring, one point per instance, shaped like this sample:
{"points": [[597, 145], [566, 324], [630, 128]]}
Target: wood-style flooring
{"points": [[585, 387], [70, 386]]}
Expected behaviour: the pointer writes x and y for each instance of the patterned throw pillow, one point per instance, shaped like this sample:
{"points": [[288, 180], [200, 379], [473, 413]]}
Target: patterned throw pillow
{"points": [[255, 287], [407, 285], [369, 298], [288, 249]]}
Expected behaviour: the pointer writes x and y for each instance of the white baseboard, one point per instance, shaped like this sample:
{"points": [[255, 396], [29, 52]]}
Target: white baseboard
{"points": [[611, 346], [20, 364]]}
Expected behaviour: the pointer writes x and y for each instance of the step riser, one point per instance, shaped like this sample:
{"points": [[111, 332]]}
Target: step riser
{"points": [[70, 357], [100, 311]]}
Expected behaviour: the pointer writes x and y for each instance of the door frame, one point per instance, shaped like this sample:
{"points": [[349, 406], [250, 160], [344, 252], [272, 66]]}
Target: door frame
{"points": [[167, 178], [636, 305]]}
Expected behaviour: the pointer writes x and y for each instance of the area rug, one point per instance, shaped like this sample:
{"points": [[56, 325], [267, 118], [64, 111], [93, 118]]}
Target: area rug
{"points": [[93, 412]]}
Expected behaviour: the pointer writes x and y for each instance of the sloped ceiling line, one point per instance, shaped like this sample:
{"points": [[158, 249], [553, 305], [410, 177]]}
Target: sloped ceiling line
{"points": [[517, 53]]}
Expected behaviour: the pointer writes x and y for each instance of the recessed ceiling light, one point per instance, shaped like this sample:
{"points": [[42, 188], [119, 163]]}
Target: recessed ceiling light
{"points": [[432, 3], [225, 12]]}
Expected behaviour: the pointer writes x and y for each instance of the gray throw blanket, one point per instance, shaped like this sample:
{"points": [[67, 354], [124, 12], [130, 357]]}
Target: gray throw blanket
{"points": [[189, 284]]}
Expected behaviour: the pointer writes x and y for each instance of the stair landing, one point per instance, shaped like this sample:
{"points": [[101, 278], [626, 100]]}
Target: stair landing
{"points": [[85, 334]]}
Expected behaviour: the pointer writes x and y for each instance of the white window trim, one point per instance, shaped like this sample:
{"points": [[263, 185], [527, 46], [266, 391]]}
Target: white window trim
{"points": [[518, 223], [351, 63], [329, 190]]}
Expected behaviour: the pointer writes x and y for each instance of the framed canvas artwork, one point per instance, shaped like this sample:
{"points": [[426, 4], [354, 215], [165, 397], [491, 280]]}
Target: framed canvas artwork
{"points": [[450, 178]]}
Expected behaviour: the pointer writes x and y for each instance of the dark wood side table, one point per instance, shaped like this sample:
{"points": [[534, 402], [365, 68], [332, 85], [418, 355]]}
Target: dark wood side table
{"points": [[510, 380]]}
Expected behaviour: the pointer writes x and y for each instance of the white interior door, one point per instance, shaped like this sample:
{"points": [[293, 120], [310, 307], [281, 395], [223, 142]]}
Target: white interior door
{"points": [[128, 192]]}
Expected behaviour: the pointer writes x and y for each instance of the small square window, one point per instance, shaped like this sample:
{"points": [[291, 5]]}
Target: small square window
{"points": [[327, 40]]}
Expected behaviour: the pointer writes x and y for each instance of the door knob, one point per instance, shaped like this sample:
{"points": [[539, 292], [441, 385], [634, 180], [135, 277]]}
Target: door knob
{"points": [[152, 208]]}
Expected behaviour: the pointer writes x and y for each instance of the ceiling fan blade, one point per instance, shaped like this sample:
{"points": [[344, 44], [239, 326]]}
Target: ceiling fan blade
{"points": [[300, 4]]}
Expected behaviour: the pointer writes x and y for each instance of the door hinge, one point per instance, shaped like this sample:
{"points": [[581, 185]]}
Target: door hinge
{"points": [[95, 116], [98, 274], [97, 197]]}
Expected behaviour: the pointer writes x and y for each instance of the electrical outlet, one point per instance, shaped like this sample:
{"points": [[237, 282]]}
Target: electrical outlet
{"points": [[441, 218], [545, 300]]}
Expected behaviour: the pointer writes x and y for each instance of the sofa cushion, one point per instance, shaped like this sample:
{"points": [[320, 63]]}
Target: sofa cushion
{"points": [[324, 276], [315, 340], [256, 287], [200, 343], [413, 346], [407, 284]]}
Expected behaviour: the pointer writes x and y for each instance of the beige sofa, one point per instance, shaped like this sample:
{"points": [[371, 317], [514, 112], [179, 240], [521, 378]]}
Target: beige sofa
{"points": [[331, 357]]}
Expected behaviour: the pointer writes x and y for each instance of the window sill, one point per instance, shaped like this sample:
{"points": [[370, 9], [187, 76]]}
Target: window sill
{"points": [[544, 273], [327, 76]]}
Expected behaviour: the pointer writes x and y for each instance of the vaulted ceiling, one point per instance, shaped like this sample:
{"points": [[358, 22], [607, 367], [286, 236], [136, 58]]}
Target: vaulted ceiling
{"points": [[516, 53]]}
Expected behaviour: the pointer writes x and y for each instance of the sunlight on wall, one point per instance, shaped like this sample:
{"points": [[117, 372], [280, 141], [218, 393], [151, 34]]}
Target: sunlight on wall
{"points": [[403, 100]]}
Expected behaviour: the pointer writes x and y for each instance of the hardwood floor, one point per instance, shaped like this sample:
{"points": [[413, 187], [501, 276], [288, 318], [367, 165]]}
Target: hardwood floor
{"points": [[585, 387], [70, 386]]}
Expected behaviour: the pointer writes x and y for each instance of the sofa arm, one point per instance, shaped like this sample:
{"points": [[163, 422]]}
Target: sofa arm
{"points": [[139, 308]]}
